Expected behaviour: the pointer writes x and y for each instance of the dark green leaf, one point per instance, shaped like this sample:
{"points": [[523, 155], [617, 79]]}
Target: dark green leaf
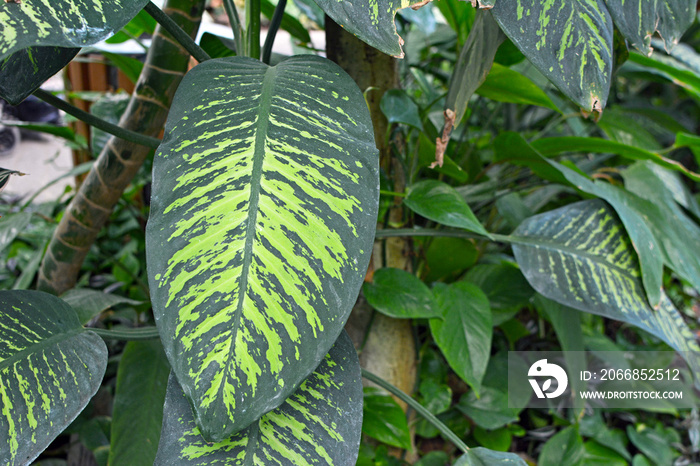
{"points": [[131, 67], [88, 303], [137, 414], [620, 126], [61, 131], [613, 439], [506, 85], [24, 71], [109, 107], [441, 203], [447, 258], [73, 23], [564, 448], [464, 332], [569, 42], [400, 294], [490, 410], [217, 47], [398, 107], [434, 458], [11, 226], [254, 271], [289, 22], [142, 23], [499, 439], [436, 396], [318, 425], [384, 419], [652, 443], [503, 283], [671, 69], [482, 457], [50, 367]]}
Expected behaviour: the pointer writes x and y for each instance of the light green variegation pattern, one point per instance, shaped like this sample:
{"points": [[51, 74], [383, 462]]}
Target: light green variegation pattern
{"points": [[638, 20], [318, 425], [570, 42], [263, 214], [25, 71], [50, 367], [371, 21], [581, 256], [68, 23]]}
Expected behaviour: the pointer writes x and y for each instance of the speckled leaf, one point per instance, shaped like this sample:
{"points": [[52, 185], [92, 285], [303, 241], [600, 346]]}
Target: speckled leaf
{"points": [[320, 424], [50, 367], [569, 42], [263, 214], [581, 256], [371, 21], [25, 71], [68, 23], [639, 20]]}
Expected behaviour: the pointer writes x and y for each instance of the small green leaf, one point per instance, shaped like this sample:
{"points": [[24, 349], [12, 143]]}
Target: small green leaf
{"points": [[506, 85], [88, 303], [50, 367], [216, 46], [436, 396], [595, 454], [653, 442], [398, 107], [498, 440], [289, 22], [137, 415], [11, 226], [441, 203], [318, 425], [503, 283], [483, 457], [490, 410], [384, 420], [566, 447], [569, 42], [109, 107], [441, 261], [400, 294], [464, 332]]}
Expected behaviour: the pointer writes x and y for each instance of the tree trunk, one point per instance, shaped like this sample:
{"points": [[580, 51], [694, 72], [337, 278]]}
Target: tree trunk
{"points": [[120, 160]]}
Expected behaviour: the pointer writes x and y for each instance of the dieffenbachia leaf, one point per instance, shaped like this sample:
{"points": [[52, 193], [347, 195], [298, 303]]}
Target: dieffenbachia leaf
{"points": [[638, 21], [371, 21], [264, 208], [569, 42], [69, 23], [581, 256], [25, 71], [50, 367], [319, 424]]}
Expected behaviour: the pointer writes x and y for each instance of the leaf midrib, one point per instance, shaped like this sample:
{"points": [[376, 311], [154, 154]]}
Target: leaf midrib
{"points": [[263, 121], [39, 347]]}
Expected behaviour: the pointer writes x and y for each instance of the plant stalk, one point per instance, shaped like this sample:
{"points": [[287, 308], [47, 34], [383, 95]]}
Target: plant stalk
{"points": [[131, 334], [97, 122], [235, 21], [427, 415], [272, 31], [177, 32], [253, 11]]}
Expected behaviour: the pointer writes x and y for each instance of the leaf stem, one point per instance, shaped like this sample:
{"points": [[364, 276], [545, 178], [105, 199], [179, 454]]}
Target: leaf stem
{"points": [[235, 21], [272, 30], [392, 193], [141, 333], [92, 120], [176, 31], [430, 417], [399, 232], [252, 19]]}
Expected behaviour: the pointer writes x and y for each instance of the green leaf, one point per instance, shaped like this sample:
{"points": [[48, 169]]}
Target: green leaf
{"points": [[318, 424], [384, 420], [131, 67], [137, 415], [11, 226], [289, 22], [499, 439], [398, 107], [621, 126], [580, 256], [566, 447], [24, 71], [142, 23], [263, 214], [109, 107], [436, 396], [503, 283], [482, 457], [73, 23], [441, 203], [670, 69], [569, 42], [612, 439], [490, 410], [441, 262], [638, 21], [506, 85], [88, 303], [50, 367], [652, 442], [464, 332], [371, 21], [400, 294], [217, 47]]}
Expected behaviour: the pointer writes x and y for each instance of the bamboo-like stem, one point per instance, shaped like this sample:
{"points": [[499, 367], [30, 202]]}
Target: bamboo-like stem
{"points": [[97, 122], [272, 31], [120, 160], [131, 334], [235, 21], [177, 32], [427, 415], [411, 232], [252, 19]]}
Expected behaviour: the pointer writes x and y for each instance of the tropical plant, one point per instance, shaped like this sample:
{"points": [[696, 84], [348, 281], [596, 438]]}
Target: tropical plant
{"points": [[266, 194]]}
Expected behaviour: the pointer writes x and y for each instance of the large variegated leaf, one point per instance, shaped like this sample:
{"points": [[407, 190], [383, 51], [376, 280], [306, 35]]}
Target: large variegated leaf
{"points": [[581, 256], [639, 20], [50, 367], [263, 214], [372, 21], [570, 42], [320, 424], [24, 71], [68, 23]]}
